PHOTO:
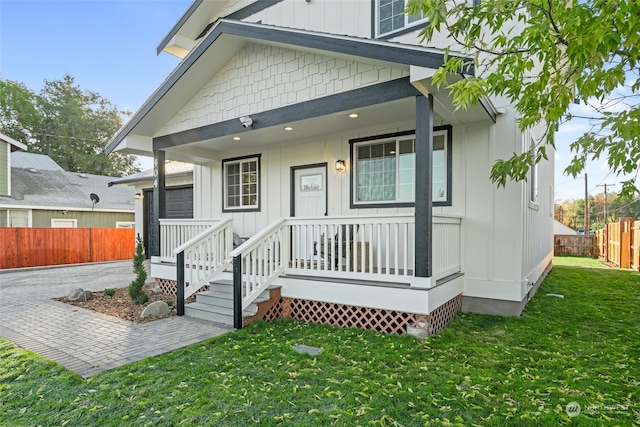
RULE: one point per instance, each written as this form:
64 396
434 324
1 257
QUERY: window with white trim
241 186
384 170
391 16
533 177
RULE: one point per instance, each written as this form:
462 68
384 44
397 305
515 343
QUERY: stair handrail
256 264
202 258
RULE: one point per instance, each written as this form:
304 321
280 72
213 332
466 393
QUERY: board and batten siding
345 17
261 78
42 218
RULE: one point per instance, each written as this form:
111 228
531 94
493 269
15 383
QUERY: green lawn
482 370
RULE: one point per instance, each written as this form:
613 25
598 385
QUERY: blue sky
109 46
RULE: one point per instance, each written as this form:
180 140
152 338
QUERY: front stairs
216 304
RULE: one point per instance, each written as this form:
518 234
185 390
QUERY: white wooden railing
260 260
379 248
374 248
446 246
203 257
176 232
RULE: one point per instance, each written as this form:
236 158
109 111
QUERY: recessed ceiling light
353 115
236 138
288 128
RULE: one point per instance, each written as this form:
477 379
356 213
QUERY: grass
482 370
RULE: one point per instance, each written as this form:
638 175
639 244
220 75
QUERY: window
533 179
15 218
391 16
384 169
241 184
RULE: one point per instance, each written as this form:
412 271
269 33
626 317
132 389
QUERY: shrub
109 292
137 294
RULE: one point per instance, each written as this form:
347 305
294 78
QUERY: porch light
340 167
138 196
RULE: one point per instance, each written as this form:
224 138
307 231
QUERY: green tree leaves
541 55
68 124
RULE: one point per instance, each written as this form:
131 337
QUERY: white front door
309 191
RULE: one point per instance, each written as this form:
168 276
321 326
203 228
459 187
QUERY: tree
68 124
541 55
136 291
17 106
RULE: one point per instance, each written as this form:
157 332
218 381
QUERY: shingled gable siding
261 78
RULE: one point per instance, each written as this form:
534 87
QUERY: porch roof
228 37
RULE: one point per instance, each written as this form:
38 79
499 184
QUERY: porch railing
176 232
256 264
202 258
375 248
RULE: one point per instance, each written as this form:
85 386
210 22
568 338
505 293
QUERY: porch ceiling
392 113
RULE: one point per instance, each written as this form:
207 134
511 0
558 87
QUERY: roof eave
364 48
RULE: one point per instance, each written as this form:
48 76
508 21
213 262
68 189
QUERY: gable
264 77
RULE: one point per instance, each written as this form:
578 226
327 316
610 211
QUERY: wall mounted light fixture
138 196
340 167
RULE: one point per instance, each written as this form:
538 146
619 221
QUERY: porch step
216 304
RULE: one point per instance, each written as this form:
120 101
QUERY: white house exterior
317 135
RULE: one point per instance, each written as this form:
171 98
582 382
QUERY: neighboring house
45 195
178 196
7 146
316 132
559 229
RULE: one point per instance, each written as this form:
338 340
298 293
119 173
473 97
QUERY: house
178 197
363 196
43 194
562 230
7 146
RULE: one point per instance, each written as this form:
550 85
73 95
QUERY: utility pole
606 227
587 211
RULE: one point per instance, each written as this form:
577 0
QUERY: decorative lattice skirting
350 316
168 286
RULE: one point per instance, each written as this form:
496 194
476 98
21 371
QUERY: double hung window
391 16
241 183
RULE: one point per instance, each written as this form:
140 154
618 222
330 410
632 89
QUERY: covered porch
349 260
309 100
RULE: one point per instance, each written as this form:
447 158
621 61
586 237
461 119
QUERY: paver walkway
79 339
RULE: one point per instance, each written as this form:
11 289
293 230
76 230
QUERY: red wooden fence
622 243
32 247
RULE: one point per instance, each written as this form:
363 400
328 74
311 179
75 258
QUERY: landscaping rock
88 295
419 333
77 294
307 349
155 309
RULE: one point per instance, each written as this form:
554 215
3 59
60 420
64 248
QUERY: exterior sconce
340 167
138 196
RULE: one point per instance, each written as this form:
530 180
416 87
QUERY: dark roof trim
252 9
242 13
373 49
183 19
380 50
344 101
